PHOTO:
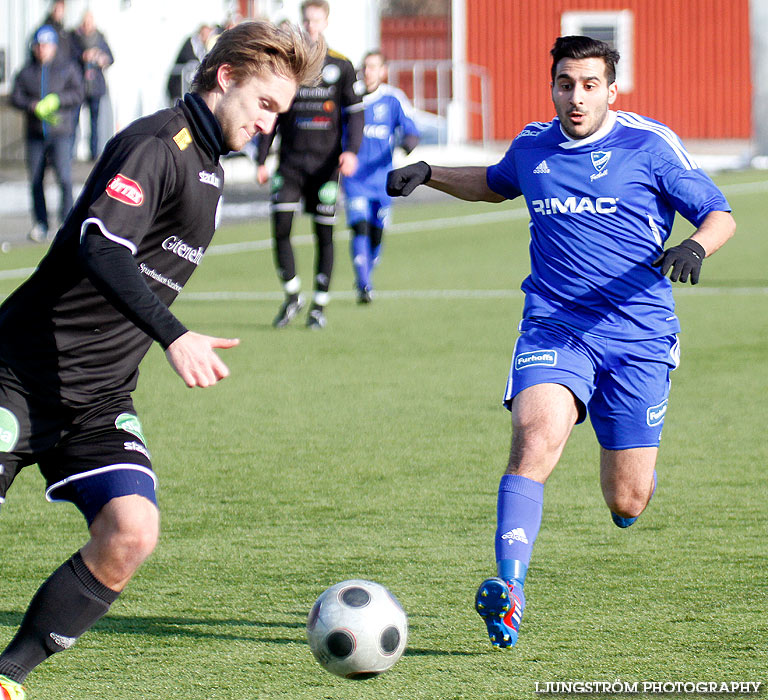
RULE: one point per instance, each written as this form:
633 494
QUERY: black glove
403 181
684 259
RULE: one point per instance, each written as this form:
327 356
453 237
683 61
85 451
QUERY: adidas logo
62 641
518 534
541 168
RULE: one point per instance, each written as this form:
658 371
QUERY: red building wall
692 61
416 38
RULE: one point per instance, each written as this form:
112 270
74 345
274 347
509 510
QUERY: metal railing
441 74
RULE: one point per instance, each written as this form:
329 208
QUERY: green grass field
374 448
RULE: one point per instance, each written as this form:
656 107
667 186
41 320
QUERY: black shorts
319 189
88 455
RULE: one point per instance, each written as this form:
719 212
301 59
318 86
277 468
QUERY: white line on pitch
489 217
447 294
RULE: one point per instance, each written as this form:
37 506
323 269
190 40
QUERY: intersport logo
125 190
575 205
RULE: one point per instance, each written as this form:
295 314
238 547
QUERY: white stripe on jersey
107 234
357 107
635 121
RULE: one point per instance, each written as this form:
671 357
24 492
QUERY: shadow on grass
410 651
210 628
200 628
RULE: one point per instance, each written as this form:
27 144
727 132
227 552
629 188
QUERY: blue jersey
386 118
601 209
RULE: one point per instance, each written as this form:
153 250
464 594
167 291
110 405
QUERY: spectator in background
192 52
94 56
48 91
387 123
55 19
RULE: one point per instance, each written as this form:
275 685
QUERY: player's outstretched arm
685 259
192 356
468 183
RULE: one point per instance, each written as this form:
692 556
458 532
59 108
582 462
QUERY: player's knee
532 440
628 502
129 535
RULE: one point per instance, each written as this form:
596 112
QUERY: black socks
64 607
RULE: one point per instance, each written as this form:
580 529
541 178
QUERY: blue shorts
374 211
622 384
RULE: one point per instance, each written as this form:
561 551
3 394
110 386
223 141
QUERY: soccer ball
357 629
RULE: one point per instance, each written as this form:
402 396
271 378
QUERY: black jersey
156 191
312 131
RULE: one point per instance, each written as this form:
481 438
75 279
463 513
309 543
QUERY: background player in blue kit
598 334
387 124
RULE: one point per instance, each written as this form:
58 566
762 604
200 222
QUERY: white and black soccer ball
357 629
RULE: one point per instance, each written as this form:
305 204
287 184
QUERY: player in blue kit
598 334
387 124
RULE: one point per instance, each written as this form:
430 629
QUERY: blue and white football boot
500 604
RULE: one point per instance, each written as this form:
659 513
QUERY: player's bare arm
715 230
684 260
468 183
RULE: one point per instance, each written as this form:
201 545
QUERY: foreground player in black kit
319 138
72 336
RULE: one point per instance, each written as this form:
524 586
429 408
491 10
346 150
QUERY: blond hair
259 47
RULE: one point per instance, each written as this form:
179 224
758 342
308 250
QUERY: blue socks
360 246
518 517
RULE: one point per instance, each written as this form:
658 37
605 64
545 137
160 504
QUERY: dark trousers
56 151
93 104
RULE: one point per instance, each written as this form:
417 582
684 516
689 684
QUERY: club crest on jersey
599 161
380 112
331 73
125 190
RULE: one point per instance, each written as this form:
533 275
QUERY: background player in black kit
319 137
74 333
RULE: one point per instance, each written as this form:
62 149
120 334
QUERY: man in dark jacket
48 91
